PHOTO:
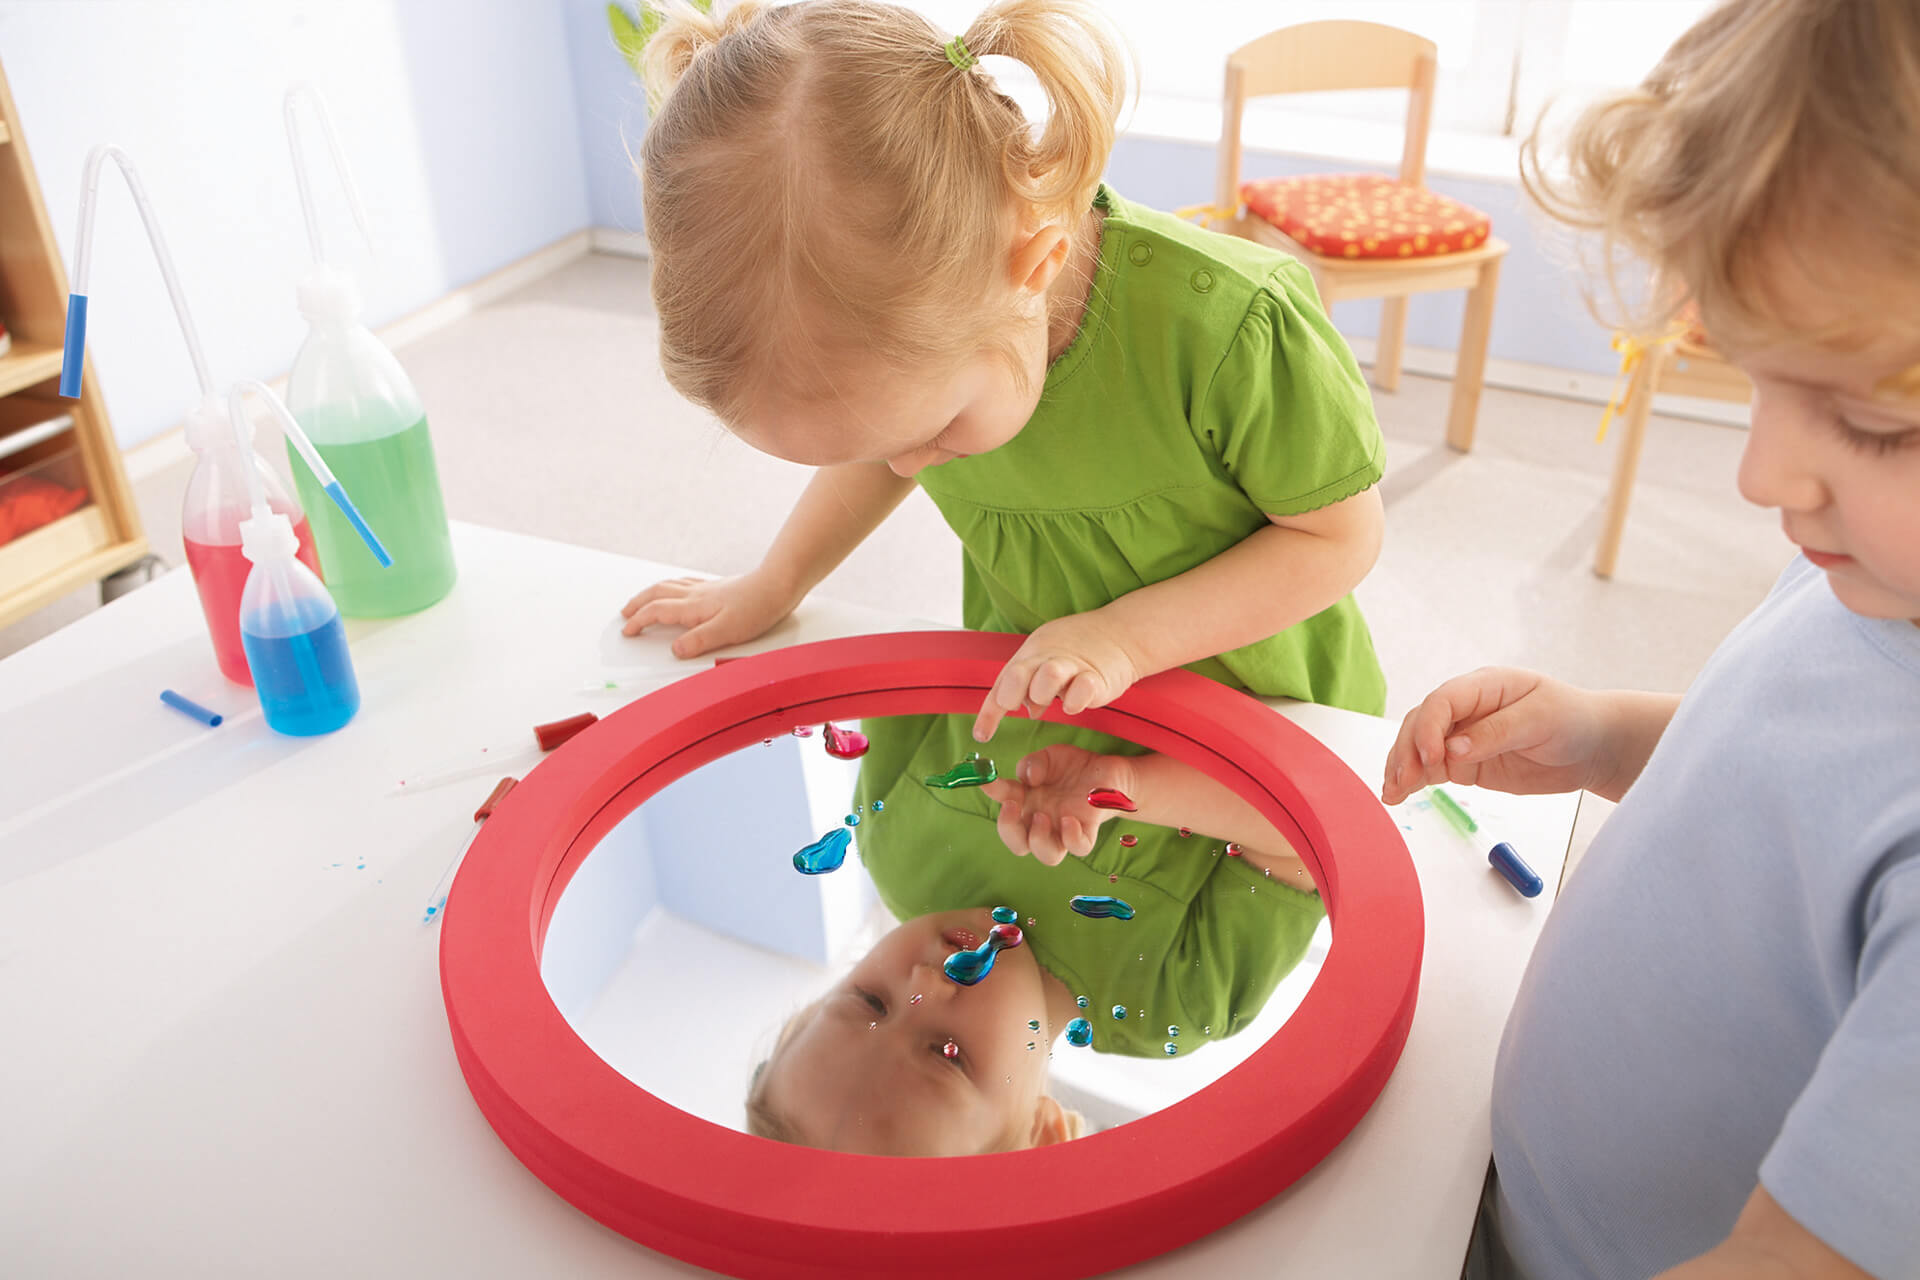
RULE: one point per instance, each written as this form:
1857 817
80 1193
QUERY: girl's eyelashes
1874 442
873 1001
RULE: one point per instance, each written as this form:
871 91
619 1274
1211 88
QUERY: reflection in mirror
885 938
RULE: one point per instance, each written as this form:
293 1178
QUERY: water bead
1173 1032
1233 850
1119 1012
1029 1046
879 806
1033 1024
1029 921
949 1051
1127 842
1186 831
853 819
1113 879
1081 1001
825 854
1108 798
872 1026
803 731
1101 907
1080 1033
916 998
1171 1048
1005 915
844 744
971 772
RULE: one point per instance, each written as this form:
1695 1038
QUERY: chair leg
1470 369
1393 337
1626 458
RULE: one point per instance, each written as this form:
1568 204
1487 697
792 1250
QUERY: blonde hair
1771 126
825 173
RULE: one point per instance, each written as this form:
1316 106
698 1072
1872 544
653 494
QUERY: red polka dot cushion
1363 215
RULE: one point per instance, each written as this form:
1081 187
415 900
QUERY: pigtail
1080 65
684 34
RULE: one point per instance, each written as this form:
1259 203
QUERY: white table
222 1047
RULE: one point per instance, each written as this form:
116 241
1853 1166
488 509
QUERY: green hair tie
959 55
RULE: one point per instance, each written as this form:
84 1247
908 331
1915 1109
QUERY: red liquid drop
1233 850
220 572
1108 798
1127 842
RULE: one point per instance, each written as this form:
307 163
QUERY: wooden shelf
6 134
26 364
38 568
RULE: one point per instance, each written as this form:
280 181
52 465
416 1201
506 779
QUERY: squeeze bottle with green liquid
364 417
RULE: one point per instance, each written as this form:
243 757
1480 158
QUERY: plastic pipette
321 471
436 905
546 737
72 363
1449 808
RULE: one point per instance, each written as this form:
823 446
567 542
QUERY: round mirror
798 939
675 1014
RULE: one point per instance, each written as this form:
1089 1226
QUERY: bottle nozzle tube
72 363
321 471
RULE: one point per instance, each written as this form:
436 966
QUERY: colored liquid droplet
1081 1001
1127 842
1173 1032
1108 798
853 819
1206 1031
1033 1024
1005 915
1080 1032
879 806
1029 1046
1119 1012
844 744
872 1025
971 772
803 731
1030 921
1171 1048
916 998
1233 850
1101 907
825 854
949 1051
970 967
1186 831
1113 879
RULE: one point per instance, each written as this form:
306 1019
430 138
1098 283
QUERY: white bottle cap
269 539
328 294
208 426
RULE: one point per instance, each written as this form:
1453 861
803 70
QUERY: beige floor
550 417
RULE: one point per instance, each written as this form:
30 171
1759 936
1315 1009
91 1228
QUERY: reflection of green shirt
1211 935
1205 390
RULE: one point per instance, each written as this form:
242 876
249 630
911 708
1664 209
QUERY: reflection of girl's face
865 1069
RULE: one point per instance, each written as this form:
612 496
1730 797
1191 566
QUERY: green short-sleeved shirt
1211 935
1206 390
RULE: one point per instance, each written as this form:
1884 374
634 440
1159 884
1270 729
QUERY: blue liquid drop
1033 1024
880 806
1119 1012
825 854
1080 1032
969 967
1173 1032
1081 1001
1101 907
1005 915
853 819
1171 1048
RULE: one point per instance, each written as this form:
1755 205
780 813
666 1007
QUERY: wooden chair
1683 366
1425 244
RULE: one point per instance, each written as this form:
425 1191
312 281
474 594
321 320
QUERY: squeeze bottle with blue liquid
289 625
365 419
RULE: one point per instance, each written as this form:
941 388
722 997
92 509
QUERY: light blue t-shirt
1728 991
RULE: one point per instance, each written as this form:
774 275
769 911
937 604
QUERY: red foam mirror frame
748 1206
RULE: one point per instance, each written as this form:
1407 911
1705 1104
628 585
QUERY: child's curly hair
827 175
1771 128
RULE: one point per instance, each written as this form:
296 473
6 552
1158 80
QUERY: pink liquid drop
220 572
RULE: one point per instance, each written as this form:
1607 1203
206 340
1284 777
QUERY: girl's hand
1043 807
715 612
1501 728
1080 659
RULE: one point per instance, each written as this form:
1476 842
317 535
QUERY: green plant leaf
627 37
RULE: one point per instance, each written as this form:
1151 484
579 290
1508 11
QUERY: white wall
459 119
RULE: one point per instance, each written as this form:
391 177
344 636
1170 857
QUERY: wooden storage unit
102 536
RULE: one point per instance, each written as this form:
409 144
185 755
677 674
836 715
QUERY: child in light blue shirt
1713 1065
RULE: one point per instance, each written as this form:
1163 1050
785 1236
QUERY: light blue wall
612 109
459 117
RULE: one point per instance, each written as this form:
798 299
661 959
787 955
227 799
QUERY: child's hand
1501 728
1043 807
1079 659
716 613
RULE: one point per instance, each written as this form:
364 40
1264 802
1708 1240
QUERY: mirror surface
855 1007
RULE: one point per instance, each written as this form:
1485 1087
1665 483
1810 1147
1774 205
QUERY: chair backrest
1316 57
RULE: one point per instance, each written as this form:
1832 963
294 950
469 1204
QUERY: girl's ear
1038 258
1049 1123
